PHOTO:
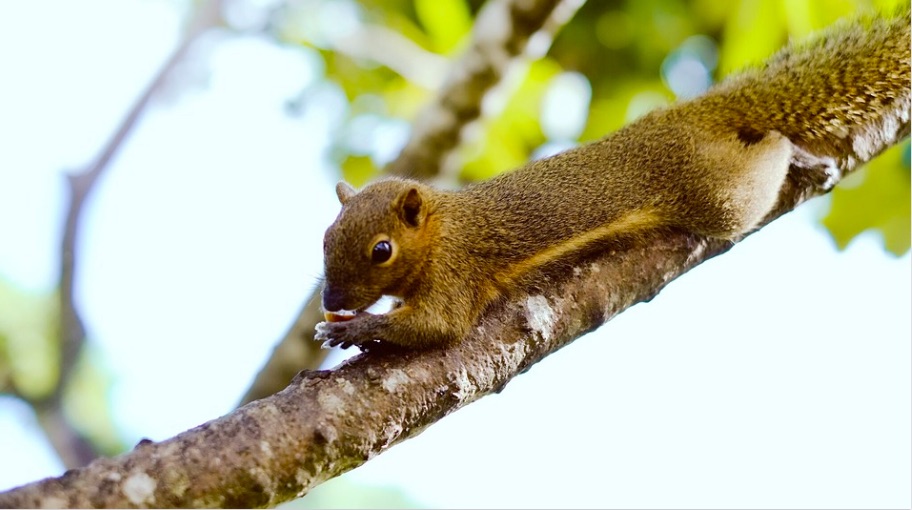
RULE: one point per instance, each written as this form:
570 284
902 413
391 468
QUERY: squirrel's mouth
383 305
340 315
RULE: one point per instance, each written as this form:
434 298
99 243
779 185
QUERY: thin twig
73 448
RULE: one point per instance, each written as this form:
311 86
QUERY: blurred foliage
875 198
445 21
28 342
508 139
87 405
630 53
29 366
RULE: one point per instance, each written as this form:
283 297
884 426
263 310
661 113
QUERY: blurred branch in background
501 34
436 132
74 448
395 51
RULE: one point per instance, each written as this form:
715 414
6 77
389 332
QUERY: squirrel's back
667 170
712 166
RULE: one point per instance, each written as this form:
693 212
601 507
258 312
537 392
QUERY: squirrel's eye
382 252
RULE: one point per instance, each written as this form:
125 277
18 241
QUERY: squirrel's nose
332 300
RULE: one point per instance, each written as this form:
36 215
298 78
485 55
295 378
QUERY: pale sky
776 376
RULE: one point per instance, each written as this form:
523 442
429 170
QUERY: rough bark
502 31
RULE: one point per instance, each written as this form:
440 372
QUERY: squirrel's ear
411 207
344 191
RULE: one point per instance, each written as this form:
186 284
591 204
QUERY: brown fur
713 166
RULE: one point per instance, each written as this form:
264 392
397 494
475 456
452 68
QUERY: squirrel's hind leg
747 173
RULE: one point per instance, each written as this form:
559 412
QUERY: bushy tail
843 93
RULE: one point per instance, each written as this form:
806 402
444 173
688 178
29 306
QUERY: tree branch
394 51
328 422
501 34
435 135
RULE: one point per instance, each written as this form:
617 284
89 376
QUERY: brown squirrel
713 166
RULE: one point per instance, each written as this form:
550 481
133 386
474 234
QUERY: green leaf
357 170
87 405
887 5
880 202
818 14
447 22
753 33
632 99
28 326
510 136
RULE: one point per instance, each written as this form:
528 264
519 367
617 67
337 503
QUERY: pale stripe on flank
634 221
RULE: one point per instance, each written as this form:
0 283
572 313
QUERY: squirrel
713 166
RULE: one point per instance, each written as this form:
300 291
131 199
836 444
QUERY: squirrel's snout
332 300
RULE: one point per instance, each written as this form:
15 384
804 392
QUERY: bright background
775 376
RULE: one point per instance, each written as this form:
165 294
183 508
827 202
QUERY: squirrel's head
376 243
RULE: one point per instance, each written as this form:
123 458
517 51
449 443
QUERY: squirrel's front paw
344 334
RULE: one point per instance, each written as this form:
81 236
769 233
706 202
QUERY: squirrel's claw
362 332
340 334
